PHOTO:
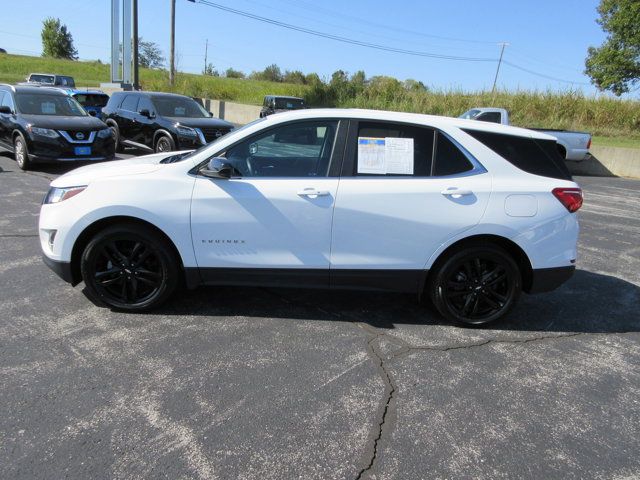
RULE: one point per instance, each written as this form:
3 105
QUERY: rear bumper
62 269
548 279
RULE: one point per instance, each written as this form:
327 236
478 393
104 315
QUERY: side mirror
5 109
146 113
92 113
218 167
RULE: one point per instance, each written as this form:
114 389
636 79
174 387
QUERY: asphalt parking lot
271 384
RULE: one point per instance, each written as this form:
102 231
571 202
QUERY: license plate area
82 150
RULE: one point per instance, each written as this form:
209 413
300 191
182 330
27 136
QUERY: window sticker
179 111
48 108
398 155
371 155
385 155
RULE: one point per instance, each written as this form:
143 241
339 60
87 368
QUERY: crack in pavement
383 429
18 235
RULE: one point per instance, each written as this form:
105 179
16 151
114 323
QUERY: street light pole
495 80
172 64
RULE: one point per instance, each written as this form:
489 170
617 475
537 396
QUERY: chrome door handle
312 192
456 192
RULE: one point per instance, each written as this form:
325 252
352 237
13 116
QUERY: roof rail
7 85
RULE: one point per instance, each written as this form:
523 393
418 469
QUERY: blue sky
547 37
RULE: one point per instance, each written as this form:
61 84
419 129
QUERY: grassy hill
613 121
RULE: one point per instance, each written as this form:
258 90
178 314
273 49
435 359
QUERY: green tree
231 73
57 41
615 65
295 76
210 70
149 54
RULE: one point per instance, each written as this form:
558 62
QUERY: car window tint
296 150
422 144
145 104
130 103
449 160
46 104
493 117
539 157
1 96
7 101
91 99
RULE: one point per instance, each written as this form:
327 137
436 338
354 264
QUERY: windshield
91 99
179 158
46 104
179 107
469 115
41 79
289 103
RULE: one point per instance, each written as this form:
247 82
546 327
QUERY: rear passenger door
404 190
127 113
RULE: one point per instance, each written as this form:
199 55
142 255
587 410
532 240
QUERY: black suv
278 103
161 122
43 124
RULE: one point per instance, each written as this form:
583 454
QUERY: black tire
129 267
21 152
475 285
116 136
164 143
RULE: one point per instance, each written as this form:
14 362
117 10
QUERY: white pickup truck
571 145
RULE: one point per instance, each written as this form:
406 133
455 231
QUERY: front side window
145 104
130 103
179 107
43 104
295 150
7 101
393 149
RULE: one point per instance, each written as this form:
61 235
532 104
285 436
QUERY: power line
542 75
344 39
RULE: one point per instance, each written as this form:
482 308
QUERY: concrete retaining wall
609 161
237 113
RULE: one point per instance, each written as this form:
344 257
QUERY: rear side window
493 117
449 160
539 157
130 103
373 139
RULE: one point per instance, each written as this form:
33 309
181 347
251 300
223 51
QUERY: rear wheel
115 131
477 285
129 267
21 152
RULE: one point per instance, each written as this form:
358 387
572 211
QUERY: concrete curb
609 161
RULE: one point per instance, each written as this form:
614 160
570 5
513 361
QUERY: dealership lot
267 383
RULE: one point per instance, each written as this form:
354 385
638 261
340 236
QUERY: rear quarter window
539 157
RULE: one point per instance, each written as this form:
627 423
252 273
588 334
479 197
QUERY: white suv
467 213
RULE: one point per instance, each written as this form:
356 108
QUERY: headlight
56 195
186 131
105 133
43 132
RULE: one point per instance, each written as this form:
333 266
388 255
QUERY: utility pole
172 64
495 80
136 72
206 47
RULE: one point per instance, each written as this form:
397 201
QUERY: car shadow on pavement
588 303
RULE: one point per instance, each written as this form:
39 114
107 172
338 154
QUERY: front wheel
477 285
129 267
164 144
21 152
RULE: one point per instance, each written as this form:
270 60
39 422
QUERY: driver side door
270 224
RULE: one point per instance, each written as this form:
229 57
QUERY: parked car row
42 122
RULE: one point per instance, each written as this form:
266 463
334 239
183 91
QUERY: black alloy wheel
129 268
21 152
164 144
477 285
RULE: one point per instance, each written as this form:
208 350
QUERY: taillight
589 144
571 198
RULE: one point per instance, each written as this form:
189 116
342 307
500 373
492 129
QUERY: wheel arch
92 229
516 252
165 132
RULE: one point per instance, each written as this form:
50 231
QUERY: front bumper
548 279
48 150
62 269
